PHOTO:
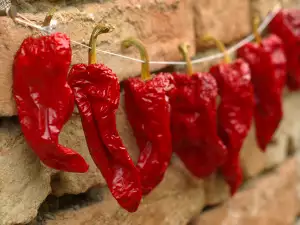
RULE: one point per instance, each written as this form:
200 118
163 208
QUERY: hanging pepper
97 94
268 73
148 112
235 111
44 99
286 25
193 121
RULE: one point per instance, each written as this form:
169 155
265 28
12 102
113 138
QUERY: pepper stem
220 46
49 17
144 56
255 25
99 29
184 50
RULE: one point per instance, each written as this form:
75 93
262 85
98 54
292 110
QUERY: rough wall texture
259 204
129 18
161 25
256 204
20 187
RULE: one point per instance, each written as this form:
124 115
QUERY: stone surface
263 7
175 208
252 159
138 18
215 18
291 3
286 140
75 183
277 150
268 200
178 179
179 21
24 182
291 125
216 190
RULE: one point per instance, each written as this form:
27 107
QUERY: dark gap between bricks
53 204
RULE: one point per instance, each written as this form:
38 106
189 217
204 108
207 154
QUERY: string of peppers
168 112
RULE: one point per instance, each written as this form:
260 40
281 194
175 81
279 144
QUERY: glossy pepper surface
148 112
44 99
268 74
286 25
193 121
235 113
97 94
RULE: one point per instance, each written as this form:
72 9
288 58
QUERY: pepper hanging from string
97 95
148 112
193 120
268 67
24 21
235 110
44 99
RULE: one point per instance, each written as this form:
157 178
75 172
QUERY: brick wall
25 183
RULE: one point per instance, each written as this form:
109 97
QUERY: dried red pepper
193 121
286 25
268 73
148 112
235 112
44 99
97 94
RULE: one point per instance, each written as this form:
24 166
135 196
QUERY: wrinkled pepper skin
148 112
234 114
44 99
193 123
97 95
267 62
286 25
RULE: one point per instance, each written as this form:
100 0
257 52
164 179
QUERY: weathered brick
161 26
224 20
263 7
271 199
175 209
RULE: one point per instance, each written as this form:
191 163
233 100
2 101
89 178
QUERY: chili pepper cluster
168 112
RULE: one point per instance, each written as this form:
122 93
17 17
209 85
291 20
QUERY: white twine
23 20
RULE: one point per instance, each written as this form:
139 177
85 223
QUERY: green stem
49 17
144 55
255 25
99 29
184 50
220 46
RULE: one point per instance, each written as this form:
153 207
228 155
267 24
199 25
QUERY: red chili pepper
193 121
44 99
286 25
148 112
235 112
97 95
268 70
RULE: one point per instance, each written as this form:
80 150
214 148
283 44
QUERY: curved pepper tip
71 162
130 202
